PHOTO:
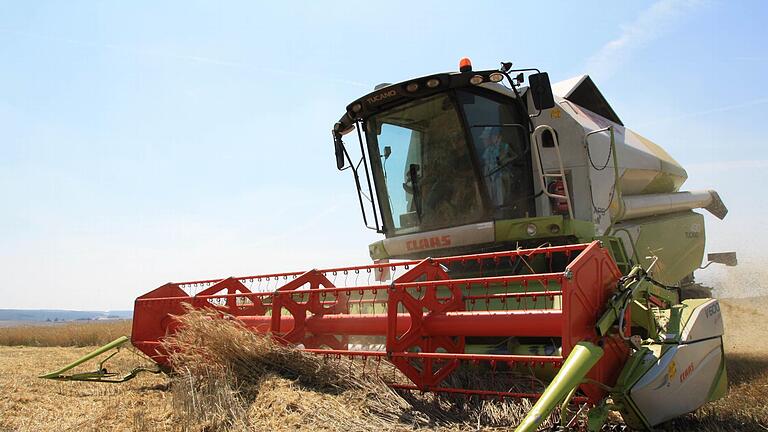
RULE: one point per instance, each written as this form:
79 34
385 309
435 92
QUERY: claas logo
686 373
428 243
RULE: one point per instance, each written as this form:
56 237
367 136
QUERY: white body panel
644 168
705 322
440 239
680 382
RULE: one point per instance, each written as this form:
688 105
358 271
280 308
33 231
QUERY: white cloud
648 26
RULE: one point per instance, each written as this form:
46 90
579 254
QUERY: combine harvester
526 231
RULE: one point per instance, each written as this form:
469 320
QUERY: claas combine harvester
526 230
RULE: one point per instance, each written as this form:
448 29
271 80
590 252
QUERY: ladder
537 133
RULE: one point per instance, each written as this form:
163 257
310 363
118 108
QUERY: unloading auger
529 238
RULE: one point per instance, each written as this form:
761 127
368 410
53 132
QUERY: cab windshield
450 159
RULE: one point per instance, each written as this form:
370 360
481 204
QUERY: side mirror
541 91
338 145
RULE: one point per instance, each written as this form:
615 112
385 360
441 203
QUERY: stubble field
150 402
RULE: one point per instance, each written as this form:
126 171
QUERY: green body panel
676 318
720 386
644 317
550 301
618 252
511 230
676 239
639 363
512 346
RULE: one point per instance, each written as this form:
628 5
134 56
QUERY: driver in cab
496 154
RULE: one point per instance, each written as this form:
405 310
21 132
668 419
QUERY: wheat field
198 400
75 334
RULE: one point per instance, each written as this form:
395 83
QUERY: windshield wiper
413 176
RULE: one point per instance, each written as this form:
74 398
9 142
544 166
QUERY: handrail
542 175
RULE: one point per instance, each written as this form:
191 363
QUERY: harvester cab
446 153
531 242
459 162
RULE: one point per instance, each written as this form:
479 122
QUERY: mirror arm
359 195
520 105
377 227
341 154
524 70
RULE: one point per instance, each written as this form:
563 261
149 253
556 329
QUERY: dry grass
238 383
232 379
77 334
30 404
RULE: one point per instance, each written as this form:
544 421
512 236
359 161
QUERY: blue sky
142 143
